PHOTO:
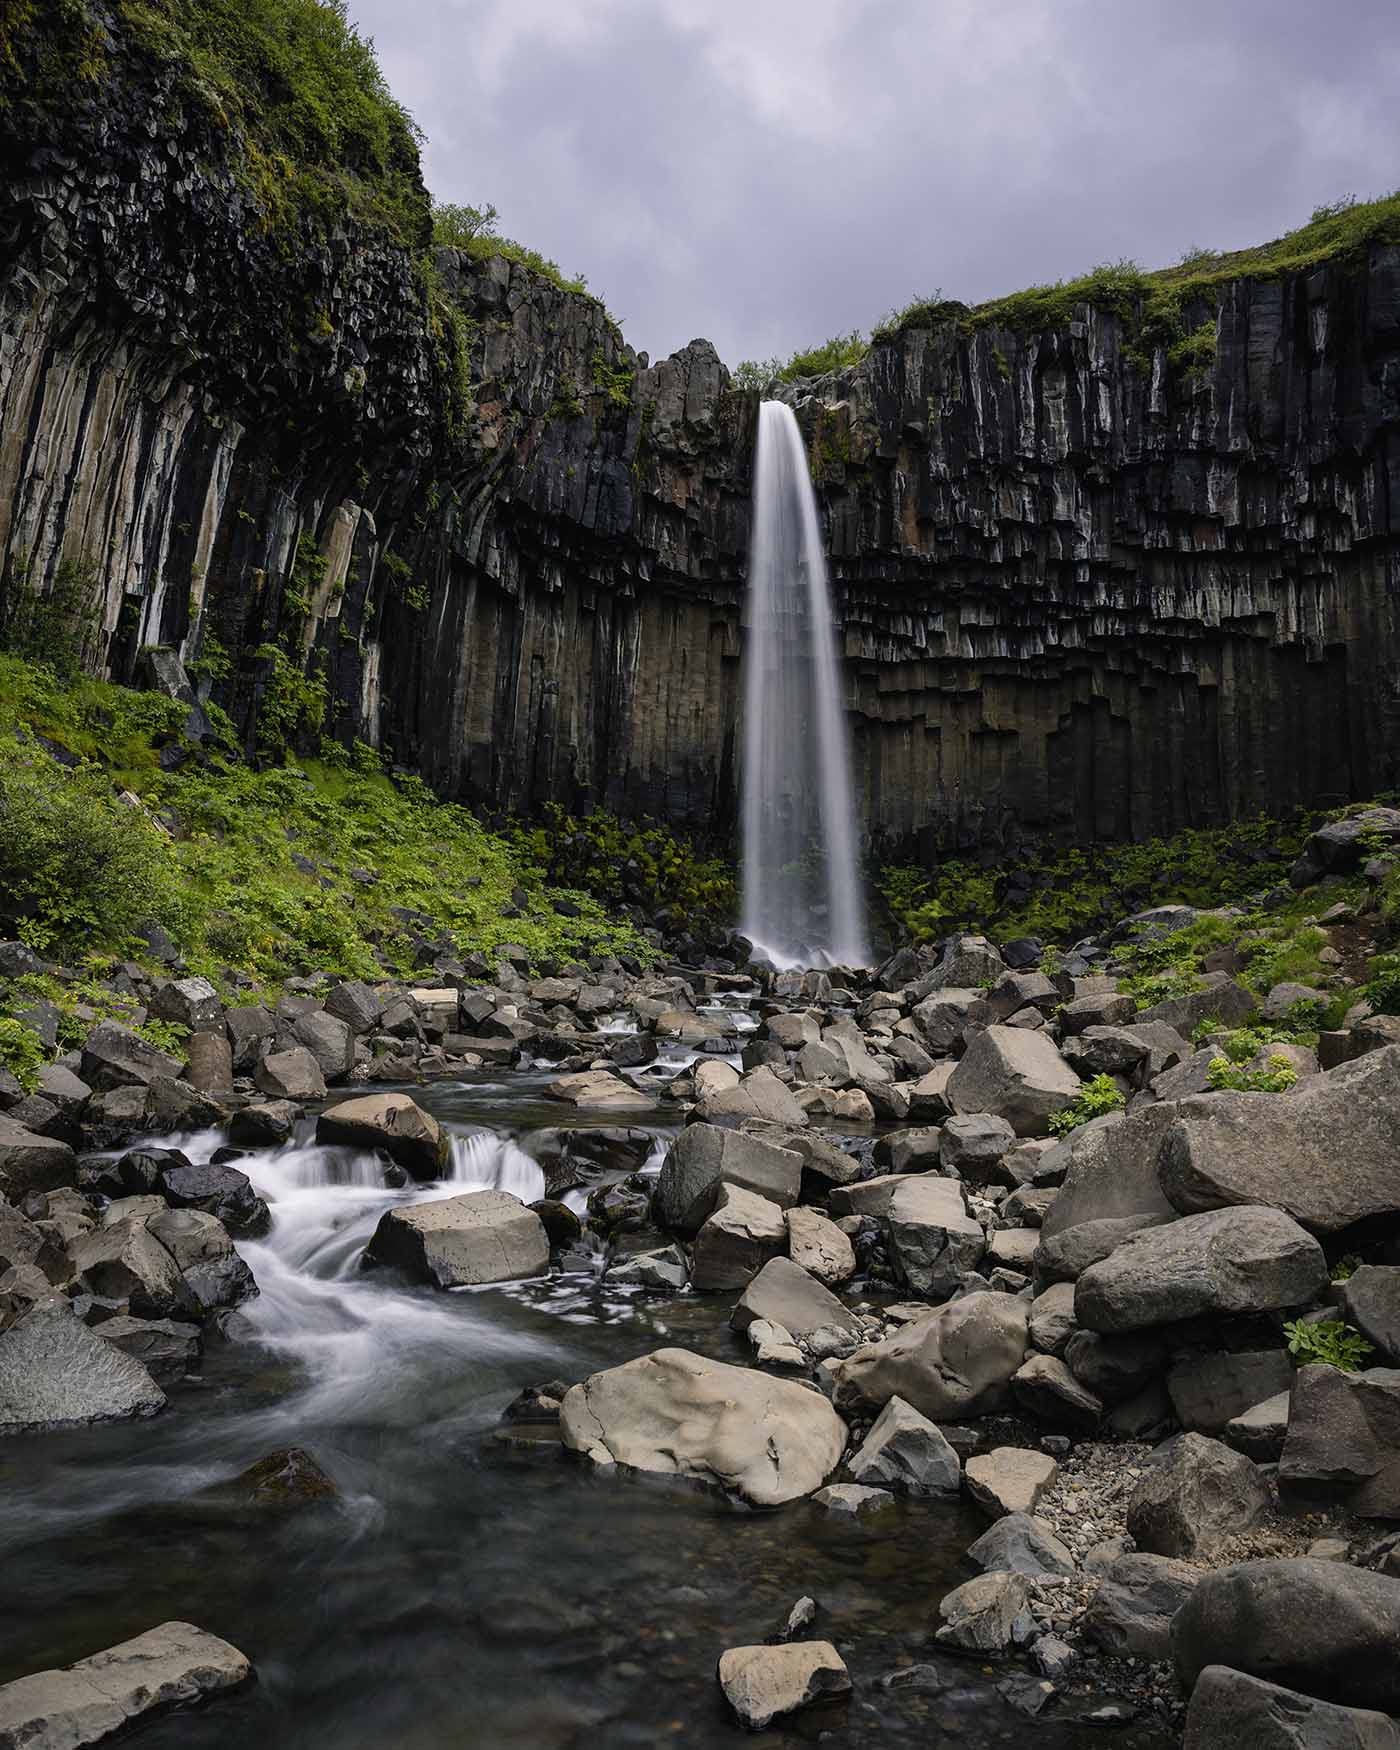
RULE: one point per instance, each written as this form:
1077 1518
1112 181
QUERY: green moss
613 381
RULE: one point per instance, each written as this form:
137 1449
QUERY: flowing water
462 1590
801 880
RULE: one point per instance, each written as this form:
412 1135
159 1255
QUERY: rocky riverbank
1158 1349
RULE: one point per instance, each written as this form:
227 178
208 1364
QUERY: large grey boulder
1219 999
395 1123
220 1190
1232 1711
1325 1153
1009 1479
737 1240
906 1453
124 1262
703 1156
1131 1613
951 1366
988 1615
763 1684
677 1414
329 1040
1329 1437
1052 1323
192 1003
1045 1387
819 1246
1225 1261
966 963
1326 1628
115 1057
1015 1074
1209 1390
1019 1543
1065 1256
933 1241
29 1162
483 1236
55 1372
847 1043
942 1017
759 1095
786 1295
1110 1172
1370 1300
1194 1495
167 1349
293 1074
174 1665
357 1004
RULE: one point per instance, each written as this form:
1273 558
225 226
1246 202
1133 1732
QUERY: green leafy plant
1328 1340
1382 990
1276 1078
21 1052
1097 1096
1345 1268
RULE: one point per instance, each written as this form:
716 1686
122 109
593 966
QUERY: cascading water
801 884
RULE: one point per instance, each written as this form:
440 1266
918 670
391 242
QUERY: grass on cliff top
290 869
1340 231
474 231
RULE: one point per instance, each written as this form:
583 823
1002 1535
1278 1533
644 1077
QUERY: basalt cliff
1086 590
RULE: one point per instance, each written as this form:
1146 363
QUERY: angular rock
1329 1438
483 1236
356 1004
906 1453
1051 1323
909 1151
1009 1479
975 1145
56 1373
166 1349
249 1029
115 1057
663 1269
293 1074
759 1095
330 1041
263 1125
737 1240
1370 1300
987 1615
951 1366
819 1247
29 1162
191 1003
674 1413
852 1499
703 1156
174 1665
1260 1431
125 1263
221 1191
1219 999
933 1241
599 1088
1110 1172
1016 1075
1232 1711
392 1122
1325 1628
790 1297
209 1063
1237 1260
1019 1543
1131 1613
1194 1495
1208 1391
763 1684
1045 1387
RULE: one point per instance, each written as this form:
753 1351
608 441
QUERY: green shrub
47 626
1097 1096
1329 1341
21 1052
473 230
1277 1078
839 353
1382 990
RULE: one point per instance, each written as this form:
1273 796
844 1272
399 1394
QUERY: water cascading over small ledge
801 878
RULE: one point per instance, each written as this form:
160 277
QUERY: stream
463 1589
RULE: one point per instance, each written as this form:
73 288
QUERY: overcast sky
769 172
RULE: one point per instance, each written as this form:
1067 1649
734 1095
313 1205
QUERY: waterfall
801 884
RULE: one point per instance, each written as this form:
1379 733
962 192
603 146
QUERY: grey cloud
714 178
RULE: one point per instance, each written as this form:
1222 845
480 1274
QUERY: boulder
1046 1388
928 1098
677 1414
1239 1260
1051 1323
819 1246
703 1156
1019 1543
759 1095
1325 1628
250 1029
174 1665
1131 1613
933 1241
1325 1154
329 1040
1370 1300
125 1263
288 1477
293 1074
1009 1479
483 1236
266 1124
1015 1074
221 1191
356 1004
599 1088
1329 1438
56 1373
906 1453
737 1240
166 1349
1259 1432
1219 999
394 1123
663 1269
988 1615
209 1063
787 1295
954 1365
115 1057
967 962
915 1150
762 1684
29 1162
866 1196
974 1146
1194 1495
1110 1172
846 1042
1209 1390
1232 1711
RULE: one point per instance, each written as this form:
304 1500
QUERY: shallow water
461 1591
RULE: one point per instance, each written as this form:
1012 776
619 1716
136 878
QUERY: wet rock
1132 1611
663 1270
289 1477
819 1247
221 1191
394 1123
174 1665
561 1225
953 1365
785 1293
29 1162
1009 1479
932 1239
674 1413
1232 1711
483 1236
851 1499
988 1615
905 1452
1225 1261
1324 1153
1325 1628
166 1349
293 1074
266 1124
1016 1075
737 1240
125 1263
703 1156
762 1684
1019 1543
1194 1495
55 1372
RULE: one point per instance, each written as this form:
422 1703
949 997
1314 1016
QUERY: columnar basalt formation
1084 593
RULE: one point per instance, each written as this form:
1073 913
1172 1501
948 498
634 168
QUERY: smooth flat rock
174 1665
599 1088
457 1242
677 1414
762 1684
55 1372
395 1123
1009 1479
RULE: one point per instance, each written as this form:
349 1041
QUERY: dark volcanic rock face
1083 593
